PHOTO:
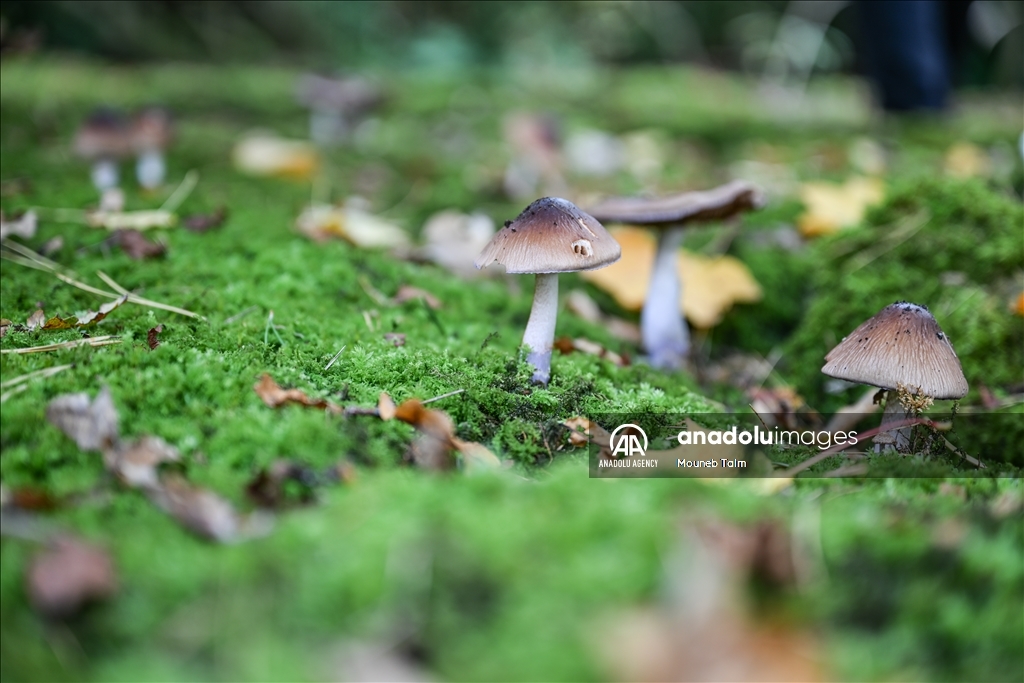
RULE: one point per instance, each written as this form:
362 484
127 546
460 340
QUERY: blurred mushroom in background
336 105
104 139
152 133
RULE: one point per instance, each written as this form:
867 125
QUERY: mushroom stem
662 327
104 174
540 330
894 439
150 169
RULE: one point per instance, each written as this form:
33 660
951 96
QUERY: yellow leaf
265 154
833 207
964 160
323 221
711 285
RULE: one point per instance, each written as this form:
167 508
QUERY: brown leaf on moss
135 244
204 222
566 345
410 293
92 424
30 498
151 336
67 574
88 318
36 320
136 463
708 631
201 511
4 325
275 396
433 448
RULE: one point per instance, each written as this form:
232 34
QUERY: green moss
962 262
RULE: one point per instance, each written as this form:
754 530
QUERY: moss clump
952 245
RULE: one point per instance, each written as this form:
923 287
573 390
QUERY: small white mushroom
151 135
335 105
549 237
902 346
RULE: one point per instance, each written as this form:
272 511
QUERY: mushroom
549 237
662 327
903 351
151 135
103 138
335 104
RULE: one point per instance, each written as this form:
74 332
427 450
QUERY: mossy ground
499 576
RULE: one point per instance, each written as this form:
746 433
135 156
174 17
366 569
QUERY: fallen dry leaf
410 293
831 207
151 336
1017 305
706 630
200 510
583 431
204 222
453 240
23 226
136 463
966 160
67 574
395 338
275 396
432 449
85 319
265 154
580 303
36 320
324 221
4 324
711 284
92 424
567 345
134 243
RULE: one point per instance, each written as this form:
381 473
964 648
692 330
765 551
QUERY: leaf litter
93 425
67 574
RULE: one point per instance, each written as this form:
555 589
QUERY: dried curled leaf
275 396
321 222
265 154
68 574
151 337
567 345
36 320
135 244
386 407
92 424
204 222
199 510
86 319
136 463
432 450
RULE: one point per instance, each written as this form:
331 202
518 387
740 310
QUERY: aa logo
625 441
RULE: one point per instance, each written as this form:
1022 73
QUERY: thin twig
90 341
241 314
438 398
182 192
38 374
336 356
136 299
113 285
372 292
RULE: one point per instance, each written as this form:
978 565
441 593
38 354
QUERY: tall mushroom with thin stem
151 135
103 139
549 237
903 351
335 104
662 328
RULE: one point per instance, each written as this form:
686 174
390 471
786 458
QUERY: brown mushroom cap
720 202
104 135
551 235
352 95
152 129
902 344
